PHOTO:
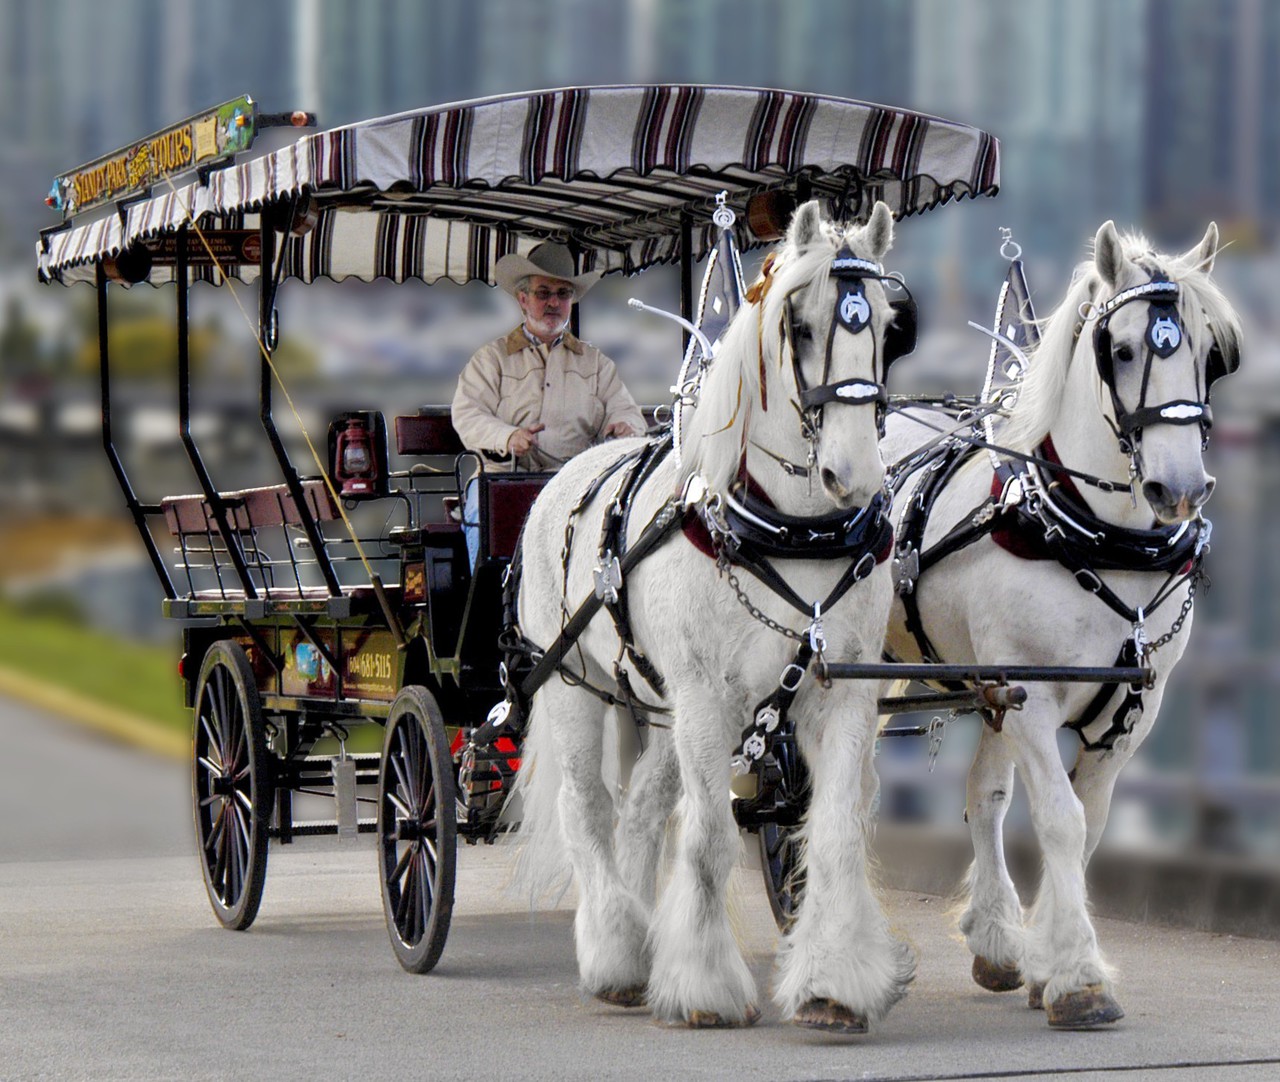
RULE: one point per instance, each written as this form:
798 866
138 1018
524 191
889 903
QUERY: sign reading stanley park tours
208 137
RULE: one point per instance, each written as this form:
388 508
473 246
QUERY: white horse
1117 382
839 966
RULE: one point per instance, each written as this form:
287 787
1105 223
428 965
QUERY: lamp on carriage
355 467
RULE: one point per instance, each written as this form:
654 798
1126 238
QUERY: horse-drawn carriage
301 628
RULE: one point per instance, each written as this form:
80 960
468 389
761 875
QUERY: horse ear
1108 253
1201 257
806 225
878 233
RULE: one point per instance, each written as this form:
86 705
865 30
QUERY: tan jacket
572 388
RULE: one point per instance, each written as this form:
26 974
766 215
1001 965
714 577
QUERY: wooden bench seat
250 509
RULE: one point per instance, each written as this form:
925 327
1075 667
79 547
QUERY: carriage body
294 633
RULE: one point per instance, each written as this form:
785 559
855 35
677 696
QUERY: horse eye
1124 353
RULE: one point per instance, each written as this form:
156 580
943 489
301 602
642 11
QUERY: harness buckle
794 673
906 570
1013 493
817 637
1202 539
1141 642
1088 578
768 718
608 578
695 491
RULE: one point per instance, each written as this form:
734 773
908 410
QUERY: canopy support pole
686 275
137 510
267 284
217 505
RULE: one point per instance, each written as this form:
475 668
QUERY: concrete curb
1200 891
80 710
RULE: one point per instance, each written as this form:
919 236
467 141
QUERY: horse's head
824 392
1160 332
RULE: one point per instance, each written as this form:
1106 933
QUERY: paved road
111 966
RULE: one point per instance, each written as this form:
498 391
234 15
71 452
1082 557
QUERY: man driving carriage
538 395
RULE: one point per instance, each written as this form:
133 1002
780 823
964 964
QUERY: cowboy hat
549 260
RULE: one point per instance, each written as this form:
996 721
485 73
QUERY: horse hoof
715 1020
1035 995
994 977
831 1016
622 997
1089 1007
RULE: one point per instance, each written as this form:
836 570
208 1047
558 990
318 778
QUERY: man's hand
522 439
619 430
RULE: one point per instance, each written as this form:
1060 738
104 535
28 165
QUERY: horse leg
699 977
992 920
651 797
840 966
1062 954
611 925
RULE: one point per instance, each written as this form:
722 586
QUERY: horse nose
831 481
1171 505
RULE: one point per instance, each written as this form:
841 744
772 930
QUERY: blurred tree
20 353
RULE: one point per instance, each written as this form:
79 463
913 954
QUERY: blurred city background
1159 115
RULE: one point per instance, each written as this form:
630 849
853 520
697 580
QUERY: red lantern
355 465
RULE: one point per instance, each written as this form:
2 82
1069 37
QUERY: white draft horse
839 965
1118 388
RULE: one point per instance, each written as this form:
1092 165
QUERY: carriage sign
203 139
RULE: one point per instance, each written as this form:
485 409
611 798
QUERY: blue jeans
471 519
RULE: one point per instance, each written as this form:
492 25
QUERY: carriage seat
427 433
250 509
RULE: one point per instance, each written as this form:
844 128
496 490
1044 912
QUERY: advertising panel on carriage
204 139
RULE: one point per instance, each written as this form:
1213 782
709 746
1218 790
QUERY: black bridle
1163 337
852 314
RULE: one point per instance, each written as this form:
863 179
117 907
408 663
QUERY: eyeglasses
542 295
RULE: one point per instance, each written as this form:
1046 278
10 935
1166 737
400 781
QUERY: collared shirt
516 382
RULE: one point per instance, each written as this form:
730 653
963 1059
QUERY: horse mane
716 435
1204 308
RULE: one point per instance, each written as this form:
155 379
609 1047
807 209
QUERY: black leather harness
1063 530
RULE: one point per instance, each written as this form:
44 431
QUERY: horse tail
542 870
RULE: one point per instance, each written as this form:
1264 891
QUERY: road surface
111 966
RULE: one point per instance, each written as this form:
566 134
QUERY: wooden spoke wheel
780 845
417 830
232 788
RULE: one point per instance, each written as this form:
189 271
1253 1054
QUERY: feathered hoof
994 977
1089 1007
827 1014
622 997
715 1020
1035 995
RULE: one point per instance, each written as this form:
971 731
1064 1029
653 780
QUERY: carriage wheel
232 789
780 845
417 830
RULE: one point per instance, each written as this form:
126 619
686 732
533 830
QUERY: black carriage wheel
417 830
780 845
231 788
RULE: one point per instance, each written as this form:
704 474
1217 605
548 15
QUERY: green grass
139 678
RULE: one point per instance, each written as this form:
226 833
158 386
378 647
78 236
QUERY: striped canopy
444 192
